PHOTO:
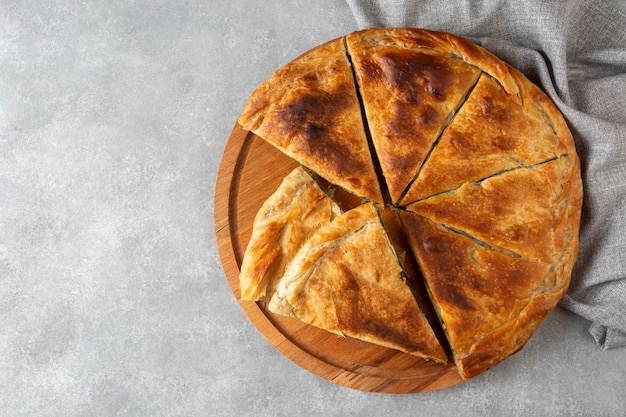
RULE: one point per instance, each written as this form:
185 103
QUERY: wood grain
250 171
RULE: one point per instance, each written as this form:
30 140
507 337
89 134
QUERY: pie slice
489 303
285 221
516 210
347 280
410 91
493 132
309 110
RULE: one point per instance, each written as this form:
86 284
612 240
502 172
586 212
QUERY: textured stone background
113 118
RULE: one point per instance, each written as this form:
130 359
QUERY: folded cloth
575 50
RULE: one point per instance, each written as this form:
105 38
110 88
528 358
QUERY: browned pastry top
477 161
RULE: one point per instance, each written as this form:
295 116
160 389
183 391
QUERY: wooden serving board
250 171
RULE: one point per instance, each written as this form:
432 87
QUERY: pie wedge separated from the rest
294 212
492 132
410 91
347 279
488 301
309 110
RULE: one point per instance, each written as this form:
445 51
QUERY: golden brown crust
286 220
455 47
309 110
491 133
515 210
518 229
409 92
347 279
481 159
489 303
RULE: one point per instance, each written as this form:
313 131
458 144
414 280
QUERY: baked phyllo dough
476 159
294 212
347 279
309 110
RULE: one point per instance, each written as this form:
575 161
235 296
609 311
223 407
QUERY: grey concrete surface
113 118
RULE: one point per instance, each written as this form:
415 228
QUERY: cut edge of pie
309 109
291 215
408 95
489 303
490 135
347 279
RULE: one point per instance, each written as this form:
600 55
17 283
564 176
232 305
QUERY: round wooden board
250 171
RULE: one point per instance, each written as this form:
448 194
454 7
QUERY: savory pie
309 109
491 134
292 214
477 162
347 279
409 93
488 301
